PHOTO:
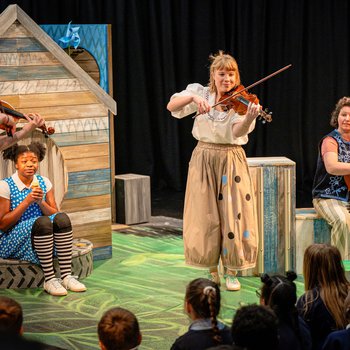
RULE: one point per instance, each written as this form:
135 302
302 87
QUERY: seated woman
332 178
326 288
31 228
280 294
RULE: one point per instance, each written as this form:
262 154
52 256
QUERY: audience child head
202 300
323 269
280 294
119 329
11 317
254 327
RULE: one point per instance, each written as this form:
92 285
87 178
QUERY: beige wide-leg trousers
219 213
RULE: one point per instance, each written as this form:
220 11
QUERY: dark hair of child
255 327
204 297
12 153
119 329
280 293
11 316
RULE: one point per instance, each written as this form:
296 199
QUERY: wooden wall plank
34 73
82 152
19 87
7 18
28 59
67 111
98 233
20 45
82 204
51 99
81 137
77 125
16 30
94 176
88 183
88 189
90 216
89 163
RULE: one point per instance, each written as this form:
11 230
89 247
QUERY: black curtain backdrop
159 46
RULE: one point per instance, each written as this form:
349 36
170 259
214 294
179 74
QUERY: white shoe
232 283
54 287
71 283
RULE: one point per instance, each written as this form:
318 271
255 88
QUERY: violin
6 108
238 99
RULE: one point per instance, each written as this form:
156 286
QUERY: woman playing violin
8 122
219 212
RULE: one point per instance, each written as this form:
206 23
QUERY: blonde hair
323 268
222 61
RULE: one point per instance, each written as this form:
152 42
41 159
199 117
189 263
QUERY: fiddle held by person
8 122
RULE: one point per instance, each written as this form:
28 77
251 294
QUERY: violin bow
252 85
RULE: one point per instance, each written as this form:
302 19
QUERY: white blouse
5 189
215 126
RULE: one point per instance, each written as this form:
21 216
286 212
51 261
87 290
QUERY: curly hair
222 61
12 153
252 324
344 101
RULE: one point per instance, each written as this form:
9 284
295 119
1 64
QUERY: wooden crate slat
19 87
93 202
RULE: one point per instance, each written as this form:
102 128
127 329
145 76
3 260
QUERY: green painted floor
146 275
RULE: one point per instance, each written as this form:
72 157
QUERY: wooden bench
23 274
310 228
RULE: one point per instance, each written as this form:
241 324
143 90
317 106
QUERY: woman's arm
9 218
179 102
241 128
333 166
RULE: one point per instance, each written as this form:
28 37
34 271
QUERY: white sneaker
54 287
232 283
71 283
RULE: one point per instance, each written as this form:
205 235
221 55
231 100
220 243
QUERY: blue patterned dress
17 242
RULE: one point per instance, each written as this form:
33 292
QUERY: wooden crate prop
310 228
133 196
37 75
274 184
